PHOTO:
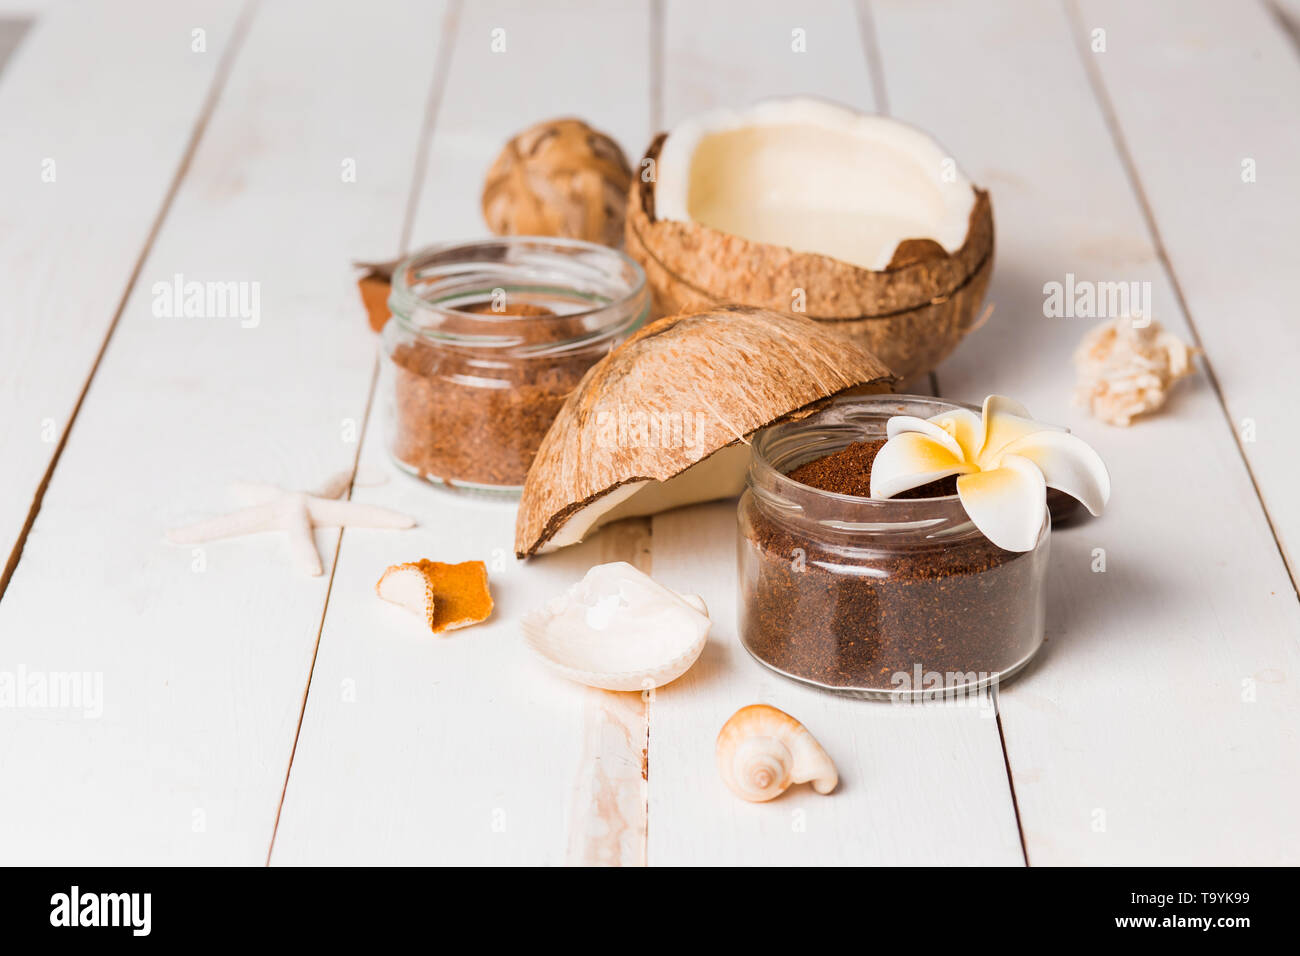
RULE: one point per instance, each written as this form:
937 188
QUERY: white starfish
296 513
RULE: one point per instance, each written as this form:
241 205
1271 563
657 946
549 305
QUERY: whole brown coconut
910 315
558 178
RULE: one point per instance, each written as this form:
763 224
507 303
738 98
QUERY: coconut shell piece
684 391
558 178
911 314
446 596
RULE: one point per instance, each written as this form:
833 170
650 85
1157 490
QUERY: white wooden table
251 714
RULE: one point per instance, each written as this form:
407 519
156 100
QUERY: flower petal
966 427
1068 464
1001 405
1005 420
909 460
899 424
1008 503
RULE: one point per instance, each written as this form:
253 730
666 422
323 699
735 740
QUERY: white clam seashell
618 629
761 751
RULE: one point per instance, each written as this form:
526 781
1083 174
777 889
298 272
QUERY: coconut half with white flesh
664 420
861 222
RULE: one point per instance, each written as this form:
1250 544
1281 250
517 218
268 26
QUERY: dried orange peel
447 596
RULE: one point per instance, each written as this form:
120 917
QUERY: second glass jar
486 341
877 598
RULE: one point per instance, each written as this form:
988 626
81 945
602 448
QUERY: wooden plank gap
1006 761
928 383
875 62
1162 255
12 32
657 17
1285 22
450 28
610 809
311 668
205 112
325 607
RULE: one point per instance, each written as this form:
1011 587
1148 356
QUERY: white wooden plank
1225 202
204 673
91 136
29 9
919 784
715 58
461 749
1158 724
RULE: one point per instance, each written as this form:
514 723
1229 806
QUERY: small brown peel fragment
374 296
447 596
375 286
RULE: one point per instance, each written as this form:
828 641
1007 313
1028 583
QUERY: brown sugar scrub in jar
486 341
878 598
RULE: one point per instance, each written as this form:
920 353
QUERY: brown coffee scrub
487 340
848 472
468 415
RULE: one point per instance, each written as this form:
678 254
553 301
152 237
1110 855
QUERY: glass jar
898 598
485 342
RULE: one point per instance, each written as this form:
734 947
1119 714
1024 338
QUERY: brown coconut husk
742 368
911 314
558 178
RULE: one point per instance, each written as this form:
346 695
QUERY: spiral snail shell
762 751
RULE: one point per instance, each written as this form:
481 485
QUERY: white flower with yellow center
1005 462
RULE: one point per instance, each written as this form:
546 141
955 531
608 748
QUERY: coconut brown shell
911 314
558 178
736 369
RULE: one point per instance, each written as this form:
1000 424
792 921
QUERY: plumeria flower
1005 462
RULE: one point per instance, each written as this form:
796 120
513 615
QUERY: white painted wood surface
1207 101
90 141
204 673
1158 724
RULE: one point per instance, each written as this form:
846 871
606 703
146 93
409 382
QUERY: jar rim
614 281
770 435
842 420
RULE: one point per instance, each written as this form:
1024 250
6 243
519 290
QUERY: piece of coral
1126 370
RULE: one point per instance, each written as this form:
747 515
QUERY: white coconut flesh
814 177
721 475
